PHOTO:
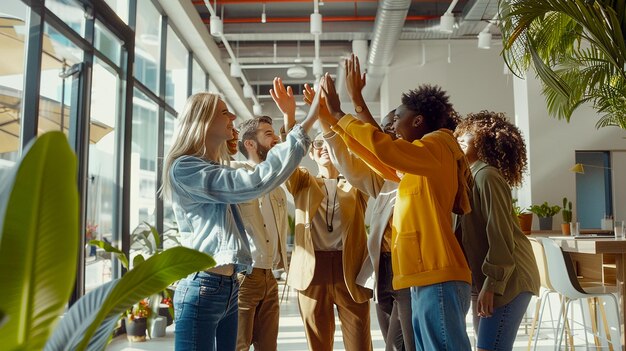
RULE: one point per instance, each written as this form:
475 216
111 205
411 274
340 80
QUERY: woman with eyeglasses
204 192
330 250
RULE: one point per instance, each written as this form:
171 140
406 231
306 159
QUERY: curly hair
498 142
431 102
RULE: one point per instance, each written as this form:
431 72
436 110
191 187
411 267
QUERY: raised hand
332 99
285 101
324 114
355 81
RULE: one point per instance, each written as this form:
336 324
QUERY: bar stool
543 298
562 283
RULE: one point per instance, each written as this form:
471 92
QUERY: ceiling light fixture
263 16
297 72
216 26
484 37
257 109
484 40
446 22
316 23
235 70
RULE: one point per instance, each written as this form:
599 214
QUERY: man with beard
266 224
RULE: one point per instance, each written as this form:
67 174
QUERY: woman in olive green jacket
504 271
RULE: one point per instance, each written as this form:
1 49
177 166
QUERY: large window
12 29
147 44
175 71
71 12
85 76
56 88
198 78
102 174
143 161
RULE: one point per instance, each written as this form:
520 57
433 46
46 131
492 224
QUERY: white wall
475 81
552 146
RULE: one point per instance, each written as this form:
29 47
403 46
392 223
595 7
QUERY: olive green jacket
499 254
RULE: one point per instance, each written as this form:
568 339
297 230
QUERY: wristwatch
358 109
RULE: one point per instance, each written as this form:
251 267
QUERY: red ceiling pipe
325 19
222 2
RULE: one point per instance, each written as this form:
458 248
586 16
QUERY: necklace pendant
330 228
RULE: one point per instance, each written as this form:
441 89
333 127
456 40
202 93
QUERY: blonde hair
189 138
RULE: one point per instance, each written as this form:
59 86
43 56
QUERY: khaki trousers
258 311
328 289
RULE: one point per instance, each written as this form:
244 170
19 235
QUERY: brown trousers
258 311
328 289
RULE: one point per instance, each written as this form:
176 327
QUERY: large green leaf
150 277
39 243
80 316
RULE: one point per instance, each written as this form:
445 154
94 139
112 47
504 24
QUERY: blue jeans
206 310
498 332
439 312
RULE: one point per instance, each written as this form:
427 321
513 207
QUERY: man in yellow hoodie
432 171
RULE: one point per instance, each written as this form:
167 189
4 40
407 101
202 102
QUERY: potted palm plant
577 49
567 216
545 213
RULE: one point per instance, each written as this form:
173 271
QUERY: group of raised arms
442 232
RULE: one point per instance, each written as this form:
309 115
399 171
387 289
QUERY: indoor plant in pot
524 218
567 216
545 213
136 321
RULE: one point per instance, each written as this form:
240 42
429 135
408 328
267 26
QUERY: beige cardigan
253 219
308 194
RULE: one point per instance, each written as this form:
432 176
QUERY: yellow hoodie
434 181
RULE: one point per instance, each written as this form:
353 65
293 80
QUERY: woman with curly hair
504 270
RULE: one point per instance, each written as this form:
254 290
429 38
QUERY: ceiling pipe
390 18
229 49
307 19
316 30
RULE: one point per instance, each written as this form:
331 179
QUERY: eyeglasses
318 144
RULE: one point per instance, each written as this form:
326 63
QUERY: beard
262 151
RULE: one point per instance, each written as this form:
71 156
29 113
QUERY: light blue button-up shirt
204 198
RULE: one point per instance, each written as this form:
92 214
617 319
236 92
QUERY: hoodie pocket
408 254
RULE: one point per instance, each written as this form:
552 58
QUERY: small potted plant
545 213
524 218
137 321
567 216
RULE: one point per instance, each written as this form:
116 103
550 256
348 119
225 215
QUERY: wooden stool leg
532 328
594 320
607 330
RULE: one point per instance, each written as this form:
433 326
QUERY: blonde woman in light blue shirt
204 192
